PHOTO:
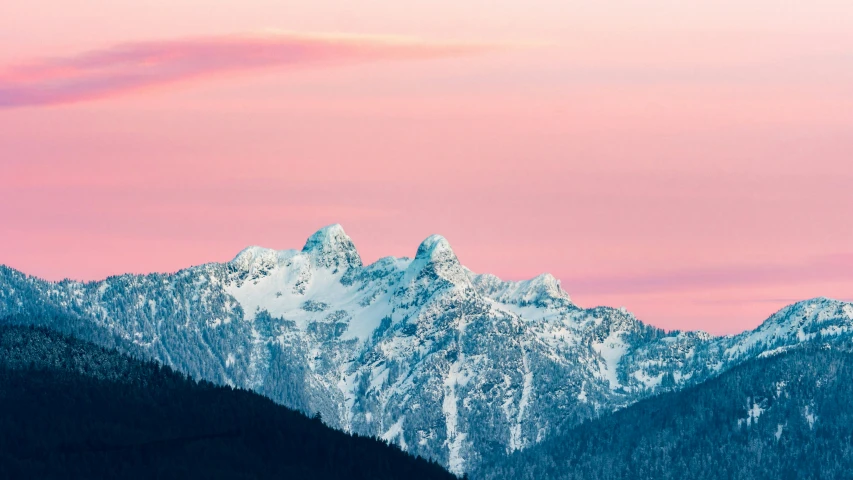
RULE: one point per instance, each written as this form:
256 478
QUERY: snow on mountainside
448 364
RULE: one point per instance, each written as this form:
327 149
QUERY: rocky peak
259 259
330 247
541 291
437 257
546 286
435 248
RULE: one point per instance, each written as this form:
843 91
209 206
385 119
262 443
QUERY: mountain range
455 366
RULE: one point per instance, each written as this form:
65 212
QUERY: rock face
449 364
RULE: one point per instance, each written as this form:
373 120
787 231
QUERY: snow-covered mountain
421 351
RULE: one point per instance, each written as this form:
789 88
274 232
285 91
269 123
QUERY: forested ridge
70 409
783 417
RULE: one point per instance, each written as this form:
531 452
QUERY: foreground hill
69 409
451 365
783 417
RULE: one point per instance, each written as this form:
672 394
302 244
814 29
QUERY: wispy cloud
130 67
838 267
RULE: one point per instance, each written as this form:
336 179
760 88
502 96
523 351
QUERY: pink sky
691 161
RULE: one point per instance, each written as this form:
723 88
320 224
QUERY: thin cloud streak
837 267
772 301
131 67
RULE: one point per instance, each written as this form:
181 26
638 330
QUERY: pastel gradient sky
691 161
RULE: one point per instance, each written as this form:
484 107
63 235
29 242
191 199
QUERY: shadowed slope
69 409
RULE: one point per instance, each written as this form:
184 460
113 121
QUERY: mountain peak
434 247
331 247
254 256
435 255
541 291
548 285
327 233
819 310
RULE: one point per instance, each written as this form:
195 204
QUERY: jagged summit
327 234
543 290
254 257
546 285
547 280
331 247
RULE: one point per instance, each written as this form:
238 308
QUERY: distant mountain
782 417
451 365
70 409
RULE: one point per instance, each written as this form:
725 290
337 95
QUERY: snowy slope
449 364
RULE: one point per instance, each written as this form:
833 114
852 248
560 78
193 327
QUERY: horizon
784 302
688 162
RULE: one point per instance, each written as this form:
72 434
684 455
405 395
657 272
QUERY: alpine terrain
451 365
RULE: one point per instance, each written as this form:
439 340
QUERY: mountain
70 409
451 365
786 416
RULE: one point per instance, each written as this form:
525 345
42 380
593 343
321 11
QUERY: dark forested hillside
782 417
69 409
